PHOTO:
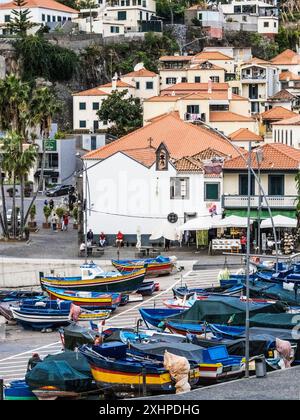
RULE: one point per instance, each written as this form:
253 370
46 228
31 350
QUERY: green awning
264 214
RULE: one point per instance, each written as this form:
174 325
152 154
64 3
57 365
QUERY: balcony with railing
253 77
194 117
274 201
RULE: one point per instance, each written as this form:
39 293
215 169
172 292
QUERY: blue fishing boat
18 390
147 288
217 310
50 314
18 295
153 317
94 279
228 290
114 369
290 294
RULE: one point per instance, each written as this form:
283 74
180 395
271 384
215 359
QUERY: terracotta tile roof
221 95
91 92
119 84
140 73
181 139
219 116
256 60
165 98
277 113
283 95
288 75
146 156
289 121
158 117
286 57
176 58
275 156
193 87
188 164
45 4
208 153
212 55
243 134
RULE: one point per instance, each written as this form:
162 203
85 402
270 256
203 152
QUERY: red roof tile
212 55
289 121
181 138
140 73
44 4
224 116
288 75
243 134
275 156
286 57
277 113
91 92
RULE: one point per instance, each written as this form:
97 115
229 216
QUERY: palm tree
14 98
43 107
17 163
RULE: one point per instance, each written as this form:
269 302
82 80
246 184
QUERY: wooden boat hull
91 300
154 269
18 390
154 317
128 282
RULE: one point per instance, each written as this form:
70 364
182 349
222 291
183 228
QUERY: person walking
243 243
54 222
51 204
65 222
90 236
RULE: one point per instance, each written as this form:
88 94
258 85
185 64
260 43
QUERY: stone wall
179 31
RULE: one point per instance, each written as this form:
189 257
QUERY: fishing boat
218 310
51 314
113 368
94 279
147 288
285 292
215 364
89 300
185 292
18 390
18 295
153 317
64 375
158 266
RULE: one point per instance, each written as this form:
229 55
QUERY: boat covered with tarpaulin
153 316
158 266
62 375
94 279
288 293
218 310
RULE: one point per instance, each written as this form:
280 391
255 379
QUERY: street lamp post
259 159
247 352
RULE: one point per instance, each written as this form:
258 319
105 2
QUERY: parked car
60 190
9 217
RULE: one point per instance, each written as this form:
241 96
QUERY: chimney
209 86
229 94
114 82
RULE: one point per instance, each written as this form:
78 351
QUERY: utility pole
247 352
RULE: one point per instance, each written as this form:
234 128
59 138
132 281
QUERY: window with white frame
179 188
171 80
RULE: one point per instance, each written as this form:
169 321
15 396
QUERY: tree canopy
20 23
125 114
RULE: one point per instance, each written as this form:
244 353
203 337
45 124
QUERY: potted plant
28 188
59 212
75 217
32 214
10 191
47 214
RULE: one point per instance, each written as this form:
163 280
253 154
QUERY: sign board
226 244
50 145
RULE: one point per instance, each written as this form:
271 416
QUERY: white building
157 170
287 132
258 83
42 12
118 17
252 16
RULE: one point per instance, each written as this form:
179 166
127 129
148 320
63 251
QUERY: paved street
19 345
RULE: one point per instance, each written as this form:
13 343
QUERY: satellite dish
139 66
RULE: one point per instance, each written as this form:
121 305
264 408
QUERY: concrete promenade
278 385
